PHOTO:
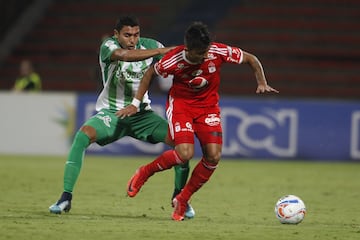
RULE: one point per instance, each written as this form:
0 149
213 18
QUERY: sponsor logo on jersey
212 120
198 83
106 119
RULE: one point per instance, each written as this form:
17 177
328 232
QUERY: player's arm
143 87
137 54
258 70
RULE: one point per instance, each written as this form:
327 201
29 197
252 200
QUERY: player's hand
127 111
262 88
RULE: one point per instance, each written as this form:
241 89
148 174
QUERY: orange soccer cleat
179 209
135 183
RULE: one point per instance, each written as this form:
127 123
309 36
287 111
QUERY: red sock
200 175
165 161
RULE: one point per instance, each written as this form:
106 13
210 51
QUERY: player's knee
185 156
214 159
213 156
212 153
185 153
90 132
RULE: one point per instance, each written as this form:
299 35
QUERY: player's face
196 56
128 36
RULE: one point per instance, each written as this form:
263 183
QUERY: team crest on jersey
187 128
211 67
212 120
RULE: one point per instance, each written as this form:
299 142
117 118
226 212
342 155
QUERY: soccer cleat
63 204
179 210
190 212
135 183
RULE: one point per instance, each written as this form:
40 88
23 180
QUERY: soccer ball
290 209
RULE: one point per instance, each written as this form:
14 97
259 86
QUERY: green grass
237 203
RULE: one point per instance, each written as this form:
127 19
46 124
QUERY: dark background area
308 48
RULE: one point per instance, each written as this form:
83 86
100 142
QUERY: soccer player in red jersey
192 107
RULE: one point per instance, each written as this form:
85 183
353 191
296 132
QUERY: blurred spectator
28 79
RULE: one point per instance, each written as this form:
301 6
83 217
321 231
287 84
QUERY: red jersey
197 84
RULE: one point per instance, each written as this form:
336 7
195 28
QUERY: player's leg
152 128
182 170
167 159
71 171
181 176
209 133
94 129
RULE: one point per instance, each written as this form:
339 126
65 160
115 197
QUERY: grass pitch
237 203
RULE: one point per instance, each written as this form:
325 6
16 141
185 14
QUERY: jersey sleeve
159 69
228 53
167 65
235 55
107 48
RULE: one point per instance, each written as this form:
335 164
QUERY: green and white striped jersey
121 79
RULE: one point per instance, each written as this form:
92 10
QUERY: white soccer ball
290 209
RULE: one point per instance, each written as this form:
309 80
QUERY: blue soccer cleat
63 204
190 212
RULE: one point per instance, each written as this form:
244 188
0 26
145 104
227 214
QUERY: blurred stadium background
309 48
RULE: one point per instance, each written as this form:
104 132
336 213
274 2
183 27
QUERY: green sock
74 161
181 176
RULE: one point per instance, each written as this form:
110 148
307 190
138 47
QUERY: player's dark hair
126 21
197 36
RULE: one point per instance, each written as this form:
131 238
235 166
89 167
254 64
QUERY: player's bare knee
212 153
185 156
214 158
90 132
185 153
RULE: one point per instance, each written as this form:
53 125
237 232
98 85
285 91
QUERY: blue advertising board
262 127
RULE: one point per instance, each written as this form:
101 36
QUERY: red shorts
185 121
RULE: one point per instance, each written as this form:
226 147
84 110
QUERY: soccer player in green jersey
123 58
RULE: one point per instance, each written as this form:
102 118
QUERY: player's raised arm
143 87
255 64
137 54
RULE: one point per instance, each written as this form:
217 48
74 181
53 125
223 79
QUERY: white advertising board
36 123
